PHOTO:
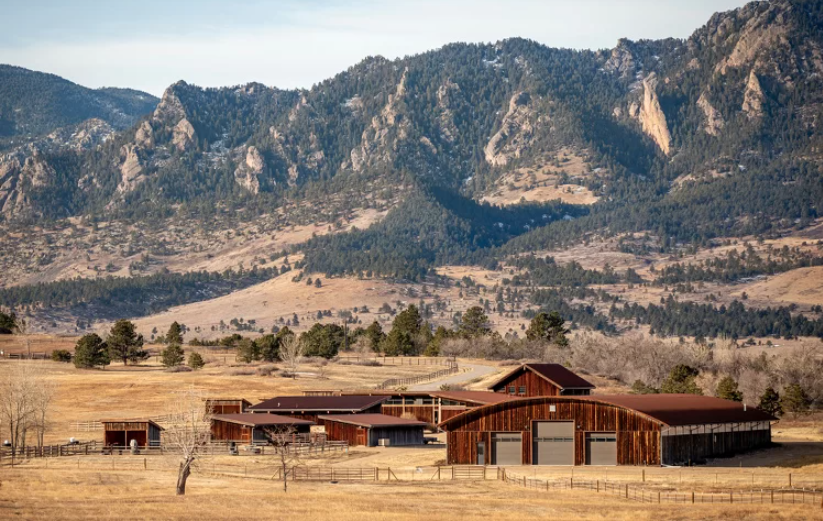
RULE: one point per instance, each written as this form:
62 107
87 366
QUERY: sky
150 44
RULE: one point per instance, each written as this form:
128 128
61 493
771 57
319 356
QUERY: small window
522 390
512 389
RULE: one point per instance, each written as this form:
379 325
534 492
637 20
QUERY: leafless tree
25 398
281 438
291 352
188 432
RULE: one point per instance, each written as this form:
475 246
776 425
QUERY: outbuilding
310 407
654 429
372 430
542 380
258 428
119 433
227 405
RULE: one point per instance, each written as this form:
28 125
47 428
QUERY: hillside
665 155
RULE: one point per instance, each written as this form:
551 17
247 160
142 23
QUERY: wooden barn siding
398 436
451 412
126 426
638 438
226 409
312 415
461 448
154 435
696 448
535 385
423 413
336 431
226 431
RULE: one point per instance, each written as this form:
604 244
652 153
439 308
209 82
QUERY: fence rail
400 382
645 494
48 451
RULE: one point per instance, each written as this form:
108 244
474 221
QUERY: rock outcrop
249 171
170 110
714 120
183 135
515 134
144 136
622 62
379 141
20 174
753 97
766 28
652 118
131 168
447 99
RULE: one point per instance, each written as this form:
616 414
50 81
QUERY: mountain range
471 154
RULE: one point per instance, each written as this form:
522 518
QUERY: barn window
522 390
512 389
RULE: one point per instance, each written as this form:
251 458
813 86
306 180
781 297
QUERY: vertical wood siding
535 385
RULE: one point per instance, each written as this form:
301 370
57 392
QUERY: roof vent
744 407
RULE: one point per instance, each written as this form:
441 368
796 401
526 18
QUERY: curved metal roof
667 409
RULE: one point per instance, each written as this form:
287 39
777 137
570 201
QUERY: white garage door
507 448
553 443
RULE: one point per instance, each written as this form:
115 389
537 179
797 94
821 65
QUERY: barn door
481 453
553 443
507 448
601 448
361 436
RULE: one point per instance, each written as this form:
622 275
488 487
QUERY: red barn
542 380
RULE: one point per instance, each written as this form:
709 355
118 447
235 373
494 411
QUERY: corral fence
648 495
402 382
8 454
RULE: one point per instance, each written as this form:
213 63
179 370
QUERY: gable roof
553 373
260 419
670 410
475 397
372 420
319 403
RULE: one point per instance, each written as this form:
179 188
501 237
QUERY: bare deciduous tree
25 398
188 432
291 352
282 437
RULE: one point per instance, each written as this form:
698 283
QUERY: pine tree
795 399
728 390
269 348
247 351
549 327
175 334
475 323
770 402
196 361
172 356
90 351
375 335
681 380
125 344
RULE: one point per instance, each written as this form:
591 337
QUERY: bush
242 371
61 355
196 361
179 369
267 370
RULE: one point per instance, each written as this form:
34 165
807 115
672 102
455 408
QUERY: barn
227 405
257 428
310 407
119 433
542 380
372 429
653 429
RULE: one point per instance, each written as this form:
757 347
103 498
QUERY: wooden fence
402 382
8 454
648 495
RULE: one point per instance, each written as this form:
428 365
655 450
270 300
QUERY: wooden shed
119 433
370 429
227 405
257 428
310 407
542 380
655 429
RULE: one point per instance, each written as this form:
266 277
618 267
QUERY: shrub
267 370
196 361
61 355
179 369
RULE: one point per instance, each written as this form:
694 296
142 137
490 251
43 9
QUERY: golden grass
78 494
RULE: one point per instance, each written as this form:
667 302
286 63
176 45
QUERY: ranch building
119 433
227 405
372 430
310 407
653 429
258 428
542 380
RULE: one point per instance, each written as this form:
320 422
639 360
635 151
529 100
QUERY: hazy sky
288 43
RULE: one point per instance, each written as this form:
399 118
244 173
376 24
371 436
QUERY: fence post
731 497
772 496
145 466
627 491
692 496
644 475
790 480
658 497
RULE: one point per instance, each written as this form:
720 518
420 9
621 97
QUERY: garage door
601 448
507 449
553 443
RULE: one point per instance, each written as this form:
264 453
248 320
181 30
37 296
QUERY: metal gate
553 443
601 448
507 448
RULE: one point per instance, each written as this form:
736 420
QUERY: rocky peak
170 110
622 62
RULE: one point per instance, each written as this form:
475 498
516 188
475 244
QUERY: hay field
29 493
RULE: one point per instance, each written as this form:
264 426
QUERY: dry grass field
72 494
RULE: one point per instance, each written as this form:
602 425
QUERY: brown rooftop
477 397
319 403
554 373
686 409
372 420
257 420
